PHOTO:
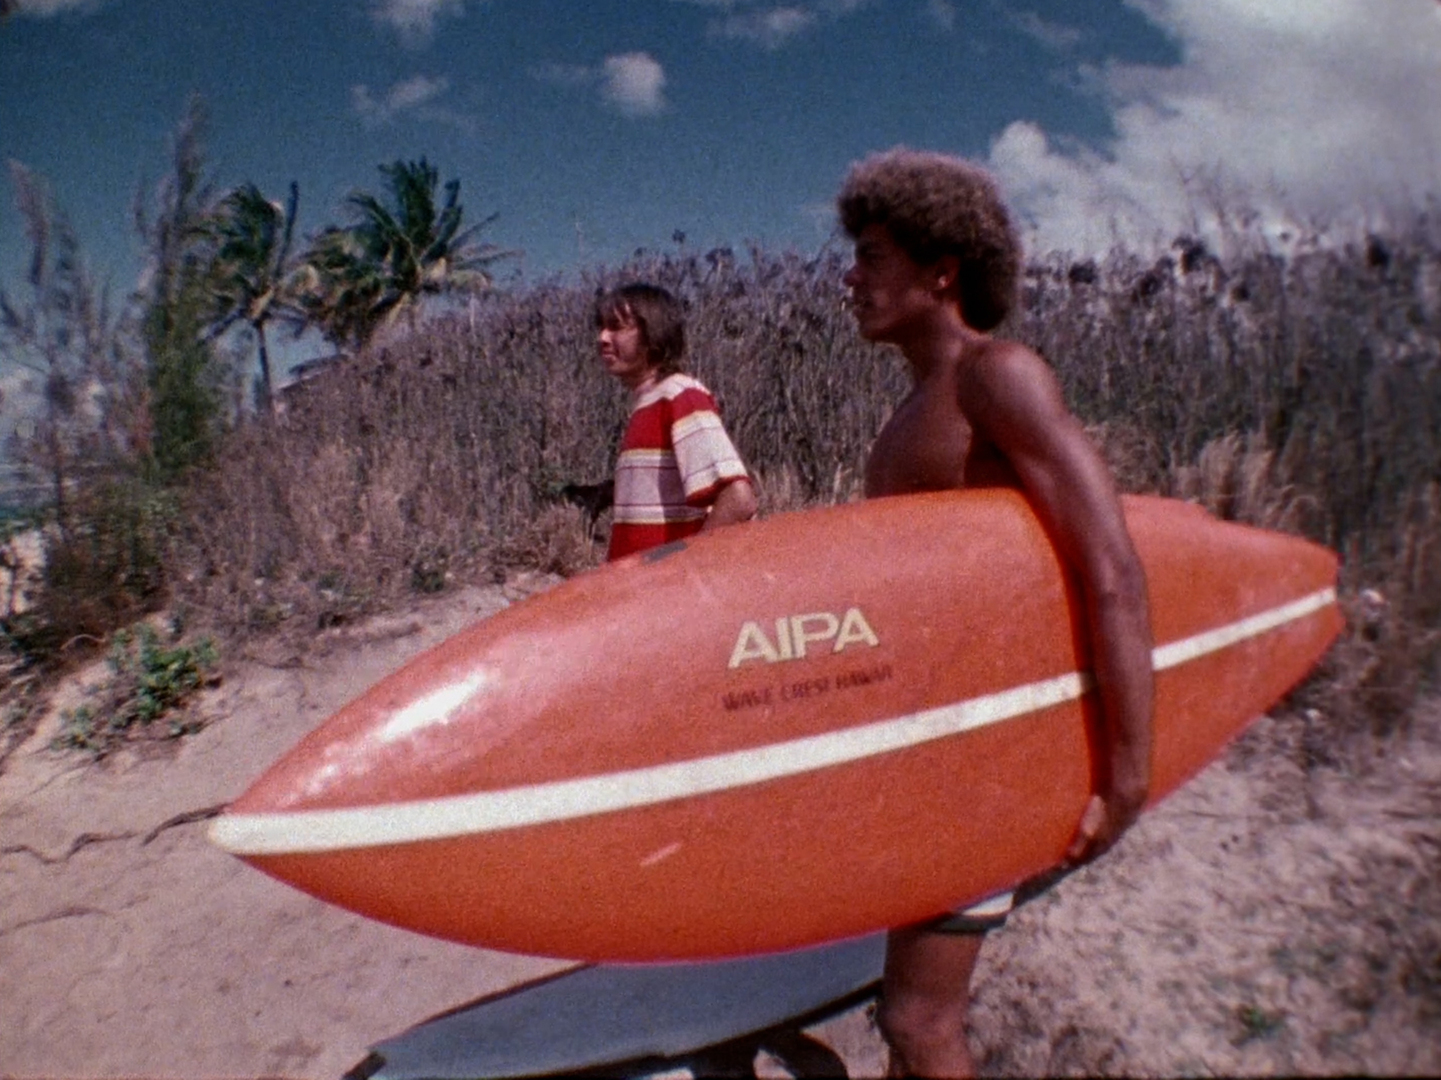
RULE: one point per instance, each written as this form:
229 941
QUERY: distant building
18 491
22 561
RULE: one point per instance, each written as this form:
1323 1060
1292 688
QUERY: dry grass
1299 392
1392 651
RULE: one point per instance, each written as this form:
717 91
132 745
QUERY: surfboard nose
411 736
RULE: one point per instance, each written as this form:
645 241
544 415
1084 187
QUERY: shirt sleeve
705 456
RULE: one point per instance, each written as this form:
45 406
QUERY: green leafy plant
148 681
1257 1023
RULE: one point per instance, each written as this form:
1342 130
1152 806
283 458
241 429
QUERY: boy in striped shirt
677 472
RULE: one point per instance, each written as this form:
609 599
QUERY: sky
594 128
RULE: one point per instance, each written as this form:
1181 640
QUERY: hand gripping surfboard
800 730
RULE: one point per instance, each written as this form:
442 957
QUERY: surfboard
636 1020
801 730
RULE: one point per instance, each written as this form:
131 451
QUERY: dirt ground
1268 919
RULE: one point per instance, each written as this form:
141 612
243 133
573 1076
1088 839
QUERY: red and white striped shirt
674 459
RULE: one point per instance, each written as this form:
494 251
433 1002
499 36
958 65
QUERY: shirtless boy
936 268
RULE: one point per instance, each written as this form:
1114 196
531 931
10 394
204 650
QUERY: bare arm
734 503
1013 398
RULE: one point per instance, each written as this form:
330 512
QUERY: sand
1273 917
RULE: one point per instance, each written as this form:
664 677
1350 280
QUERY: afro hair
935 205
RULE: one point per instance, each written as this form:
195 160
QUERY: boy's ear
946 271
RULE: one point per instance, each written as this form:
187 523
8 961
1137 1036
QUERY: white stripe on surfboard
308 831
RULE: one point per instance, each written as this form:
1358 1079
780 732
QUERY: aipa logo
794 634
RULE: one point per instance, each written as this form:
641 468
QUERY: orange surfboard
796 731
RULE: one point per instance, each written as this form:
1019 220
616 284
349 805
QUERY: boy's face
889 289
623 350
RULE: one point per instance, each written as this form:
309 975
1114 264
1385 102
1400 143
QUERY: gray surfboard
634 1019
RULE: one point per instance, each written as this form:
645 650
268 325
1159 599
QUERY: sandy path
1263 921
1266 920
122 957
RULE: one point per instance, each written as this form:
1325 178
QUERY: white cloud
942 13
1053 35
770 29
43 9
772 25
414 20
631 83
634 83
1297 109
409 95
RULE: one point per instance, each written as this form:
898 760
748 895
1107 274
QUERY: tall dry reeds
444 453
1300 392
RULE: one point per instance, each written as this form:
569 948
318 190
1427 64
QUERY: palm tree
250 274
395 255
341 287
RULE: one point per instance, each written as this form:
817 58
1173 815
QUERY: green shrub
149 681
104 571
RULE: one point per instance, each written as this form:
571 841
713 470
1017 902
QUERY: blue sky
593 128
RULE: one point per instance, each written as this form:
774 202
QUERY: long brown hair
659 315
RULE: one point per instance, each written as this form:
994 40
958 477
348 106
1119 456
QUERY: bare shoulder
1004 382
1012 396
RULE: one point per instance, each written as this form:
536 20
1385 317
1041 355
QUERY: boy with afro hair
936 270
